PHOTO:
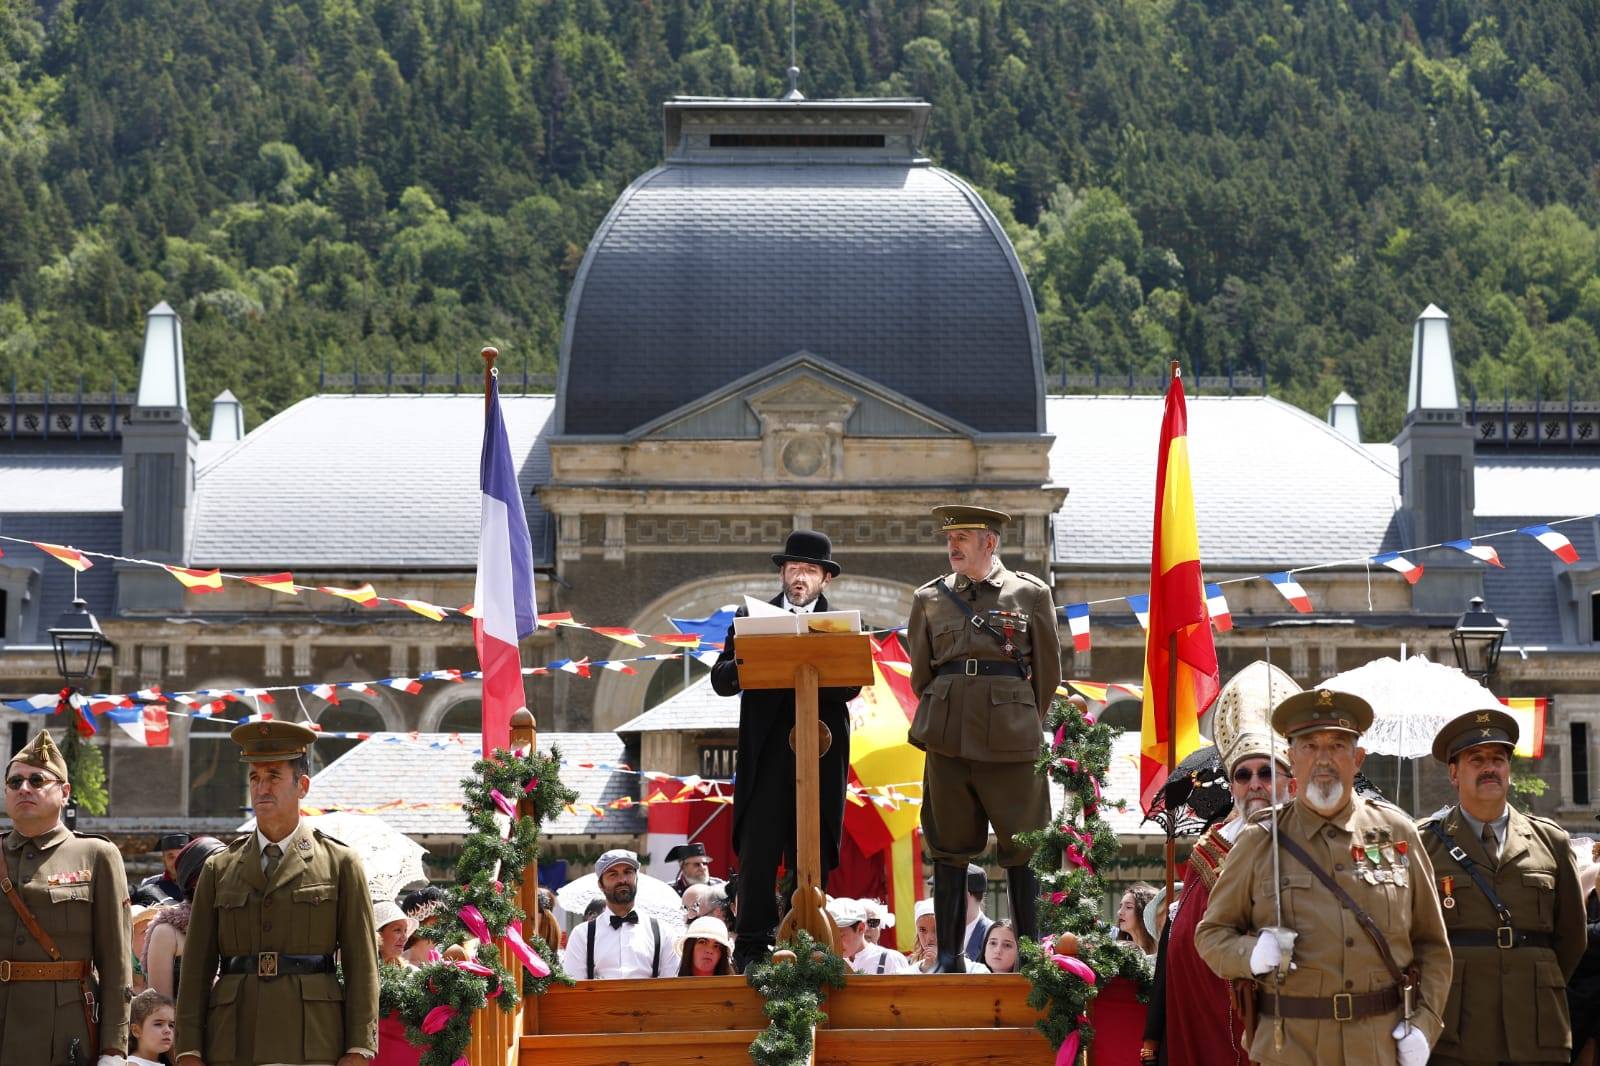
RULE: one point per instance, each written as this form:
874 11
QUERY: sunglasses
873 923
36 781
1243 774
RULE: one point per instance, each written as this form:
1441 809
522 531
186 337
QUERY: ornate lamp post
78 642
1477 637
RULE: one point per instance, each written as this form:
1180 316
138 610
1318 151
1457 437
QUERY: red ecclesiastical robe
1202 1028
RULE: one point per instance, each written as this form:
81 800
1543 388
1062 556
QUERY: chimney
158 460
227 417
1344 415
1436 468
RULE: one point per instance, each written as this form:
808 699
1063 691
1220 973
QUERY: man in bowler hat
763 789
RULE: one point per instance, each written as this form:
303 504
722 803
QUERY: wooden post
807 905
1172 757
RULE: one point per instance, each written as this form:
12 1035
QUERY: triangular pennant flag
146 725
551 619
1141 609
1217 608
619 666
196 580
323 691
280 582
71 556
1481 552
44 703
1285 583
1552 540
621 634
422 607
1078 623
1400 565
677 640
366 595
404 684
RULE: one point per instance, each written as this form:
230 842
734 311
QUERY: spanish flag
1178 620
1530 712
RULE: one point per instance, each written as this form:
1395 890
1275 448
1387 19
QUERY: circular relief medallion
804 456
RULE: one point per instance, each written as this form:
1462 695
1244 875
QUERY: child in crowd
1000 949
151 1023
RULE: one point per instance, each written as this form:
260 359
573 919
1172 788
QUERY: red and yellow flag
1178 621
1529 711
196 580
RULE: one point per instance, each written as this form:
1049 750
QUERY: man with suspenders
860 954
619 941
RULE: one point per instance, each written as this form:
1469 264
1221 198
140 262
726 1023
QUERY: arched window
668 681
348 716
1126 716
217 779
465 718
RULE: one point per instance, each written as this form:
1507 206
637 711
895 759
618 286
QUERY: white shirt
621 952
134 1060
869 958
809 608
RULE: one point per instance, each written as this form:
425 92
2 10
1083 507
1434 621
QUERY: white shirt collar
809 608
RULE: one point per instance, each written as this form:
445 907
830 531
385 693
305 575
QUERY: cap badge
264 729
1324 698
1482 718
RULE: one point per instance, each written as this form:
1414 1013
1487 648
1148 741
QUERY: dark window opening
19 738
1580 763
797 140
5 615
1594 616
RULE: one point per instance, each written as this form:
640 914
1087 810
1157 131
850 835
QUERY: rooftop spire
794 92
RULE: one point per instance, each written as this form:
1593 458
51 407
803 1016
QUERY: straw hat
706 928
386 912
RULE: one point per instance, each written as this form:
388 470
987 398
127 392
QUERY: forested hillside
334 181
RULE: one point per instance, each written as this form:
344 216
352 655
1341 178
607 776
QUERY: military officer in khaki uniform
1339 1000
67 989
1508 1001
270 912
985 663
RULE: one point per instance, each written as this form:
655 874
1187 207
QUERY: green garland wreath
442 995
1068 855
791 983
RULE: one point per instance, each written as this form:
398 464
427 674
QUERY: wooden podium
806 663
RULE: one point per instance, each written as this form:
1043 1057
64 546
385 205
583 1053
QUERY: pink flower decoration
1058 898
1095 781
472 918
1070 765
477 969
437 1019
1069 1050
531 787
1061 734
461 1062
525 954
500 887
507 808
1075 966
434 956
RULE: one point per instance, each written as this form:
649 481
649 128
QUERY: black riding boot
950 916
1022 892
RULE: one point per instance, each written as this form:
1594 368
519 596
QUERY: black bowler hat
808 546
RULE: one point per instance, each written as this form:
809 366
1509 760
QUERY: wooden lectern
805 663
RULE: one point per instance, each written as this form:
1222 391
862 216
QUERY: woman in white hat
394 927
704 949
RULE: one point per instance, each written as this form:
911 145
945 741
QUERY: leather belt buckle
267 964
1505 937
5 971
970 668
1349 1013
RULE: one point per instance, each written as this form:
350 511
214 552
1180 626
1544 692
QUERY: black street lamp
78 642
1477 637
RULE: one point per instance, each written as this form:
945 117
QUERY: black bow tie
620 920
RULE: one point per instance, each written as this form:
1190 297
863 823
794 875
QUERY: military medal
1400 848
1361 861
1010 648
1379 875
1447 890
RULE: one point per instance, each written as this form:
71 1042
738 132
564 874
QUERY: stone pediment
801 392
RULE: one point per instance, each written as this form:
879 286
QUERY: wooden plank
931 1001
645 1005
725 1047
944 1047
840 659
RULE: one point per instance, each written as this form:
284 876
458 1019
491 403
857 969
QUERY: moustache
1490 776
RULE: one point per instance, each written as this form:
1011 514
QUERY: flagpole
489 354
1172 724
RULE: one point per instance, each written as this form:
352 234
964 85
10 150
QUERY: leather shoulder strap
1474 871
982 623
15 899
655 949
1361 916
592 927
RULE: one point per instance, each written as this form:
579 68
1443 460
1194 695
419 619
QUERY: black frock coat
766 717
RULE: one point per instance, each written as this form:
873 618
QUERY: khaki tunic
982 733
1510 1006
76 887
1333 954
316 904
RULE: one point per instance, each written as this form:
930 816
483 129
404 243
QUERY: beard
1256 801
696 877
800 599
619 894
1325 795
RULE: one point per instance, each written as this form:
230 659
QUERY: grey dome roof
708 270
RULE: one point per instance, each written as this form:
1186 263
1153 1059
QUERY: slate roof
99 532
696 708
75 483
1528 592
703 273
364 482
391 766
1550 485
1274 486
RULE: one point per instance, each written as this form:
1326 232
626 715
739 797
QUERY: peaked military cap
953 516
1322 708
1474 728
42 752
272 741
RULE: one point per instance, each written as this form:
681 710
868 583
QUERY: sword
1277 878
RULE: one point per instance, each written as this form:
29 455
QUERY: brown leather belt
1344 1007
1503 937
42 971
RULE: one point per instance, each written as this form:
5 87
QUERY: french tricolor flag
504 593
1141 610
1400 565
1285 583
1554 541
1481 552
146 725
1078 622
1217 608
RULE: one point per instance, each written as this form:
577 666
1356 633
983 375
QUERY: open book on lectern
766 620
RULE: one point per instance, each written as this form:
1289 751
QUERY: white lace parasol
1411 699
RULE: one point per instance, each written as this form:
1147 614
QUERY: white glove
1272 950
1410 1045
